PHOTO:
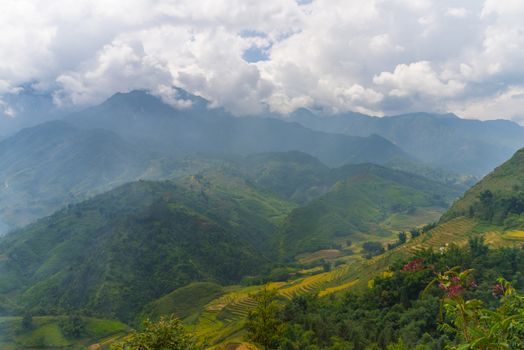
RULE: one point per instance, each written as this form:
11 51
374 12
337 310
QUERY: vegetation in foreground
423 303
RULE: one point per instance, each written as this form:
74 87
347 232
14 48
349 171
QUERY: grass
46 333
46 336
184 302
405 222
318 255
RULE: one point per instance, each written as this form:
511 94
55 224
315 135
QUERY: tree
264 326
372 249
73 326
402 237
166 334
27 321
477 247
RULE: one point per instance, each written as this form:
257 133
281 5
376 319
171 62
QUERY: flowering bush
414 265
476 326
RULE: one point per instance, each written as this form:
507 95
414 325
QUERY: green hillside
300 177
294 175
120 250
200 245
498 198
46 332
363 206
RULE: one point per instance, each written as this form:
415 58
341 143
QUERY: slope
140 117
48 166
498 198
459 145
118 251
358 207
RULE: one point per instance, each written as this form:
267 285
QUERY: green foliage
136 243
476 326
166 334
27 321
263 325
73 326
372 249
46 333
498 198
183 302
400 311
358 204
63 164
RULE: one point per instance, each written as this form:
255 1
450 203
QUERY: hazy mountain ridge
444 141
45 167
140 117
135 135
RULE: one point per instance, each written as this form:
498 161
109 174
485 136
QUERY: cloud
6 110
378 57
417 78
458 12
505 105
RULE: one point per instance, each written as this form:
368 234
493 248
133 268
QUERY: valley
170 219
261 175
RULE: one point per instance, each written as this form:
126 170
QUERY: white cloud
6 110
417 78
371 56
506 104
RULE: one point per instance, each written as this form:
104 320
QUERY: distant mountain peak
144 98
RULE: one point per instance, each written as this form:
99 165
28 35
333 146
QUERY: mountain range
443 141
136 136
132 207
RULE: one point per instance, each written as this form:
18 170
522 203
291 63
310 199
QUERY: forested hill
363 203
116 252
498 198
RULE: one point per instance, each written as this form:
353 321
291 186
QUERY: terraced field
223 318
515 235
454 231
338 288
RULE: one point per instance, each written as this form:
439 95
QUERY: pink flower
415 265
497 290
454 290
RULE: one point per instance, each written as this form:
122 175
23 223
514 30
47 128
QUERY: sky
378 57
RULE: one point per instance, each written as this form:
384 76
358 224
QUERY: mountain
498 198
442 141
296 176
135 135
45 167
368 203
300 178
122 249
27 107
142 118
